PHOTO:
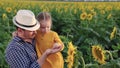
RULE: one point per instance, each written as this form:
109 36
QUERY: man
20 52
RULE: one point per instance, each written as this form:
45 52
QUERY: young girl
47 38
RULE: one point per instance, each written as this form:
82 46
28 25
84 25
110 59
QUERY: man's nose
45 29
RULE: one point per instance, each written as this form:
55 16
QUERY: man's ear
20 31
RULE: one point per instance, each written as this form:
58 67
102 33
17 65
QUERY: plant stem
109 54
83 62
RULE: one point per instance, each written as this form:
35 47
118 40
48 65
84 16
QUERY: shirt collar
18 39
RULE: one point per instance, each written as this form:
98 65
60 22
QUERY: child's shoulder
53 32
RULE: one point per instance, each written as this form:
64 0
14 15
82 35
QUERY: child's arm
58 40
44 56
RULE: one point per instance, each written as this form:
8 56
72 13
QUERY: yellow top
46 41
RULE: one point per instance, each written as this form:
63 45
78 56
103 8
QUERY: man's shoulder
15 44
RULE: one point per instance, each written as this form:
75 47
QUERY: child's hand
14 33
53 50
56 46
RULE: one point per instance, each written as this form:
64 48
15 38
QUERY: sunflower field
90 30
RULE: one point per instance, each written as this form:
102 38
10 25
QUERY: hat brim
34 28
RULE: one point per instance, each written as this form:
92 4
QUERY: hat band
25 25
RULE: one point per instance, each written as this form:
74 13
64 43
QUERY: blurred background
85 23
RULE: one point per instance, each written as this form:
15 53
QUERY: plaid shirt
20 54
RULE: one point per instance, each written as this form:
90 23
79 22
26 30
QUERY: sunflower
114 29
102 12
4 16
75 11
71 52
109 16
15 11
83 16
93 12
100 7
89 7
98 54
8 9
112 35
71 49
108 8
70 60
89 16
46 10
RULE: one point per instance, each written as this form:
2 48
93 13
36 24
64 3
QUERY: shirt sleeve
58 40
17 59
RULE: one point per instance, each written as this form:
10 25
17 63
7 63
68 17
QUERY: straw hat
25 19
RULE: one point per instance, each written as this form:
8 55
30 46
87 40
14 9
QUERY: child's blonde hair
44 16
